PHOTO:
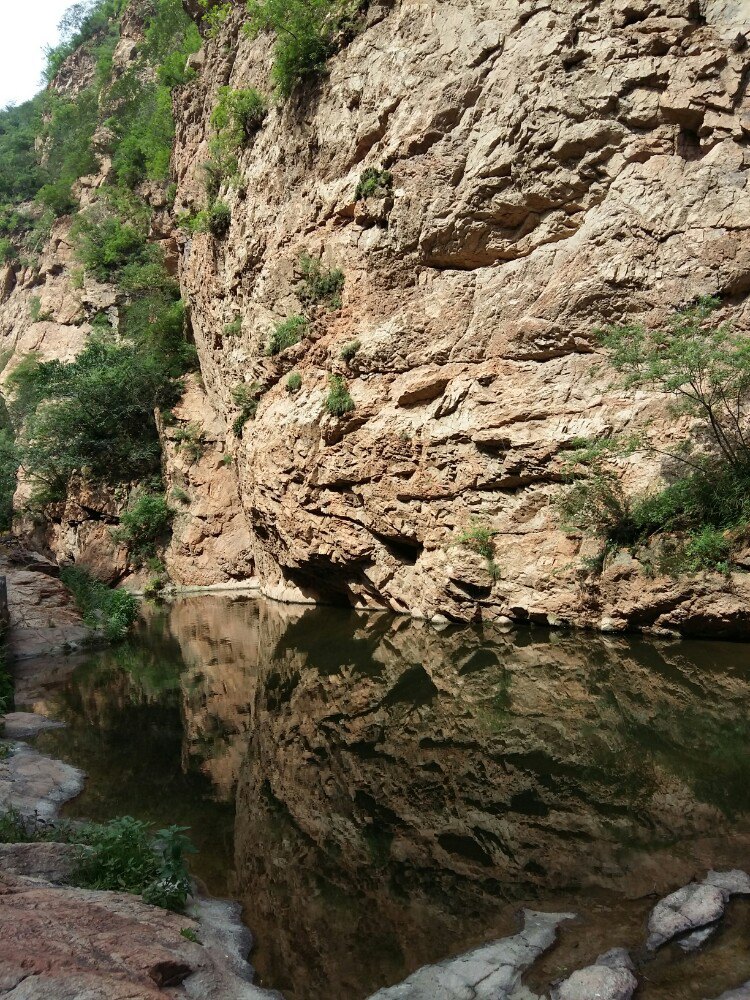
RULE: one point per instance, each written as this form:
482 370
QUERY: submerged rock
26 725
692 912
492 972
609 978
36 785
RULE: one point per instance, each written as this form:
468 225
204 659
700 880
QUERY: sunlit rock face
556 167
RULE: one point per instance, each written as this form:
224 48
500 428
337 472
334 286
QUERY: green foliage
124 856
307 33
238 116
93 416
479 538
216 220
20 173
246 398
146 523
105 245
293 382
190 934
374 183
9 462
707 549
320 284
8 251
286 334
234 328
190 439
338 401
349 350
180 495
111 611
703 367
215 16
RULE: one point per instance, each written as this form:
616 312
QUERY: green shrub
124 856
234 328
246 397
104 246
35 310
58 197
349 350
111 611
9 462
8 251
215 16
216 220
321 284
238 115
338 401
145 524
293 382
307 33
92 416
180 495
479 538
707 549
190 439
286 334
374 182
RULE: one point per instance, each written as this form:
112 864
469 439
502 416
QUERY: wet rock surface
26 725
692 912
36 785
611 977
492 972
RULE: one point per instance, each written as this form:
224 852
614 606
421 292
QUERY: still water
380 794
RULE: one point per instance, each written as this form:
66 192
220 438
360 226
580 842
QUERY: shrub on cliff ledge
703 369
321 284
287 334
307 33
338 401
145 523
238 115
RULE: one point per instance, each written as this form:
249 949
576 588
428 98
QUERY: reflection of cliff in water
400 789
411 780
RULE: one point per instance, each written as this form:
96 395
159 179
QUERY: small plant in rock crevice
480 538
293 383
287 334
234 328
238 115
320 284
338 401
374 183
246 397
348 351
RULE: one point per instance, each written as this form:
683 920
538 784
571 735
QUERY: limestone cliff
555 166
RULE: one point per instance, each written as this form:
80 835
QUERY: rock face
556 166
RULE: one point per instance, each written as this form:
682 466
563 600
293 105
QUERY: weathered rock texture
556 165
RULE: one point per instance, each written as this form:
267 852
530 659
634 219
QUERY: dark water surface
380 794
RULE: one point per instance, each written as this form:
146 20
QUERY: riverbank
241 689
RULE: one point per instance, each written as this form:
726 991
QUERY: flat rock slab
90 945
26 725
609 978
690 914
492 972
52 862
36 785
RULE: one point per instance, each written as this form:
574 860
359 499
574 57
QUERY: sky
28 25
